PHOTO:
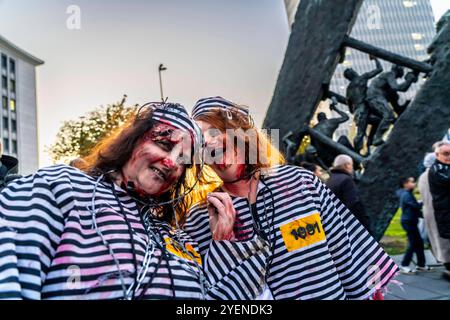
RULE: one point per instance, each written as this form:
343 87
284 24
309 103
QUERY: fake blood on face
221 166
235 186
146 155
168 163
240 171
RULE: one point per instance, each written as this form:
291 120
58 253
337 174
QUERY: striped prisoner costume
52 247
319 249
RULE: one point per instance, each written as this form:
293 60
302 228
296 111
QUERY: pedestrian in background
440 247
411 212
342 184
439 178
439 182
8 168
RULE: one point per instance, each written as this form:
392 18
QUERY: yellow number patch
302 232
177 249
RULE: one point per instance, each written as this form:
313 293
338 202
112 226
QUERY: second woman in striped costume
319 250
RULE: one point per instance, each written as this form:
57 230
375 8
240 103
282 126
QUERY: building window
4 82
347 63
419 47
12 105
4 62
417 36
6 145
12 86
14 125
5 123
14 147
409 3
5 103
12 66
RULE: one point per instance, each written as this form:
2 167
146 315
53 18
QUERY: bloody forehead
167 132
162 127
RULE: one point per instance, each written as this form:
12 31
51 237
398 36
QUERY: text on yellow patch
302 232
188 253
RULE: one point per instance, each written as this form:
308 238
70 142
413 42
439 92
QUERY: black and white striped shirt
51 247
320 250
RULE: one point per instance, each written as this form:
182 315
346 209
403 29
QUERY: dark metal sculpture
336 147
290 147
327 127
382 92
356 97
425 121
312 55
394 58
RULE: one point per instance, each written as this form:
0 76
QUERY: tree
76 138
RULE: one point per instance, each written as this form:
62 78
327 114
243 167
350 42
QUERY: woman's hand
221 215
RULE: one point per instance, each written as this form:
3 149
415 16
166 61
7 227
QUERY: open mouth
160 173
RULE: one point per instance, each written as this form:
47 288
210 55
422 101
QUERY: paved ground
422 286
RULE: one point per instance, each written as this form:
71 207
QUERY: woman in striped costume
319 250
109 231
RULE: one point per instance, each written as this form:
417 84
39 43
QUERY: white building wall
26 112
27 118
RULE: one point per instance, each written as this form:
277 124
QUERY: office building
18 125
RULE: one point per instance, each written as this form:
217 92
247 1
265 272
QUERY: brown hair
221 120
113 152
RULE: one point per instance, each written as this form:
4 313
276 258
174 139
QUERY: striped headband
206 105
176 115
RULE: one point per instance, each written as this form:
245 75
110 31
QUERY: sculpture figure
327 126
382 91
356 97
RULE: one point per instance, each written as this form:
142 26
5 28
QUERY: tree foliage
76 138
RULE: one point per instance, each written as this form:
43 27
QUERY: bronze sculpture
356 97
382 92
304 81
328 126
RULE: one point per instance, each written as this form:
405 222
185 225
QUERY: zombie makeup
225 159
157 162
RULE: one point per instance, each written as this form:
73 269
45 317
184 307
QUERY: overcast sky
232 48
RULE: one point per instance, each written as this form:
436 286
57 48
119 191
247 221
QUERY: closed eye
165 144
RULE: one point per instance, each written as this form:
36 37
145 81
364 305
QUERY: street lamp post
161 68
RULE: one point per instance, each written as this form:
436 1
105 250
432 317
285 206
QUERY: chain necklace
178 243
